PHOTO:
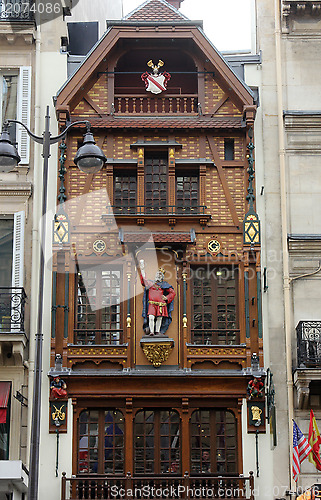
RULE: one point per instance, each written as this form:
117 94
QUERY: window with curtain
5 403
213 441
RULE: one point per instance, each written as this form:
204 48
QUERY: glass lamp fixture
9 157
89 157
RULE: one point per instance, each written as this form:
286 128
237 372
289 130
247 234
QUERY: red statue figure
58 388
255 388
158 302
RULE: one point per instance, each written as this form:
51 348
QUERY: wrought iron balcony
165 486
12 310
17 10
309 344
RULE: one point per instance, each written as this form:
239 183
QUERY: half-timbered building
162 408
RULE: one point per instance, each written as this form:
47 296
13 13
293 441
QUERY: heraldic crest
155 82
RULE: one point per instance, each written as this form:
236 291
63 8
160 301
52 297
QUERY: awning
4 400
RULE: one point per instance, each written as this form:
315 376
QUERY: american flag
301 450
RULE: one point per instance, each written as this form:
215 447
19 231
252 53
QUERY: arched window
213 441
101 442
157 442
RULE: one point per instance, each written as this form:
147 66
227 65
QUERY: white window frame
23 112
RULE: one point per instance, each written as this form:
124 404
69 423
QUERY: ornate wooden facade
174 191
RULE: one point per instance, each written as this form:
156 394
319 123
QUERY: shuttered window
15 97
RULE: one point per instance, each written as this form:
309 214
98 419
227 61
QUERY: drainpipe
284 236
37 176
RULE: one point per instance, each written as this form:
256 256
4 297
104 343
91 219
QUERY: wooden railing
147 210
92 336
146 104
215 337
164 487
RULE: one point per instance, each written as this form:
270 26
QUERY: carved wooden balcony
146 104
173 486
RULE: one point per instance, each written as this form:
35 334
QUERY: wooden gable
91 89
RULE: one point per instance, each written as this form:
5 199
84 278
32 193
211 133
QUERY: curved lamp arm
52 140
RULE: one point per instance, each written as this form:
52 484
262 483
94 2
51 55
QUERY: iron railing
309 344
163 487
215 337
97 336
17 10
166 210
12 310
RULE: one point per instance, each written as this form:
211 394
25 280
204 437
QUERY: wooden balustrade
164 487
165 104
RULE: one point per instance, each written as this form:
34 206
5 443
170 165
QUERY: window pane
211 449
214 311
98 319
114 442
9 83
186 193
144 442
155 183
6 251
125 199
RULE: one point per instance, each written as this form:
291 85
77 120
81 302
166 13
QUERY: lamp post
89 159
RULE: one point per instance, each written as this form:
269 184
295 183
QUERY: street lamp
89 159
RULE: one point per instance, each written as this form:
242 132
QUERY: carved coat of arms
155 82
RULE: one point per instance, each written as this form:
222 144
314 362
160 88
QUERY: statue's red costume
157 306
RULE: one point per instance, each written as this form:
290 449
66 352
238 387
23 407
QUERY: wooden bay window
99 306
214 303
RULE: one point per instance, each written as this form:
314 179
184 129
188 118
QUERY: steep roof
155 10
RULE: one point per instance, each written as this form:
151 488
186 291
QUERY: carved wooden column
140 184
129 433
185 441
239 435
128 317
247 308
259 307
171 177
202 184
